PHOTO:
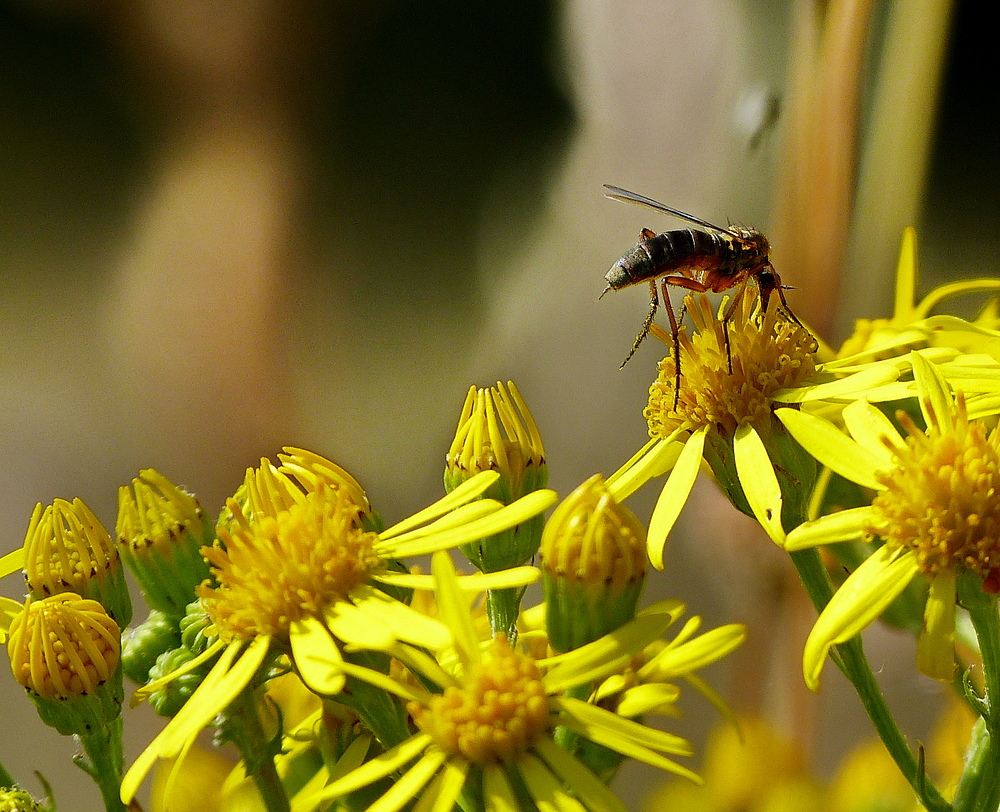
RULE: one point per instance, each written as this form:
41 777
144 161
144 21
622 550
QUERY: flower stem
105 762
853 663
979 787
242 726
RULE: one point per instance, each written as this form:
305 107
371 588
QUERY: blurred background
228 227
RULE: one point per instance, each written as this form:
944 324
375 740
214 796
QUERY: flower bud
593 562
161 530
496 432
65 650
67 549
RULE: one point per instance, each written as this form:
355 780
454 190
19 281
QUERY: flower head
299 571
494 717
276 571
67 549
161 529
593 562
935 509
65 650
767 355
725 417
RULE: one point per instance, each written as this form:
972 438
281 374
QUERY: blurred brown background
226 227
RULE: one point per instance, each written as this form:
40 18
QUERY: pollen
942 499
63 646
768 353
275 570
495 715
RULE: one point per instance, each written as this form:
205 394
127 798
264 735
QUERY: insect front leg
654 302
725 324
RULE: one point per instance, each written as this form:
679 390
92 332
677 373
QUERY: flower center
497 713
768 354
279 569
943 497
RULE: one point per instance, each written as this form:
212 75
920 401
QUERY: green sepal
84 714
577 615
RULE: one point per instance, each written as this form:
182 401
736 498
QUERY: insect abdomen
666 253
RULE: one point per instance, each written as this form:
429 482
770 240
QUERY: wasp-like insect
710 261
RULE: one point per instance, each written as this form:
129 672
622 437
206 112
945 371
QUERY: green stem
106 763
979 787
852 662
243 727
6 780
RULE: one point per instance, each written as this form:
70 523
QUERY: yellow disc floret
278 569
943 497
497 712
768 353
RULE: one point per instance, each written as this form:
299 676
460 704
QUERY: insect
711 261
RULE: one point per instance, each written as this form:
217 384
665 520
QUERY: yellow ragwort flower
299 571
495 715
67 549
937 510
722 415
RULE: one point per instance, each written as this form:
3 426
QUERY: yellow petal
426 541
868 426
906 278
844 525
465 492
454 608
674 494
832 447
868 378
317 656
476 582
936 645
578 778
497 793
760 485
12 562
652 460
865 594
404 622
544 788
931 386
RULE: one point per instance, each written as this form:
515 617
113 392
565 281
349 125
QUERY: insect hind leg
654 302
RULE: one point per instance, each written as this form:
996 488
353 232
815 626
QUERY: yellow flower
67 549
937 510
298 569
912 324
493 720
722 415
161 529
66 651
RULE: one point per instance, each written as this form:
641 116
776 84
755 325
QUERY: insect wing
625 196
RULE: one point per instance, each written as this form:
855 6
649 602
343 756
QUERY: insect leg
676 336
654 302
696 287
725 323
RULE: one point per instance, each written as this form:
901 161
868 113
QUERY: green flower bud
161 530
496 432
140 647
171 697
593 562
194 627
